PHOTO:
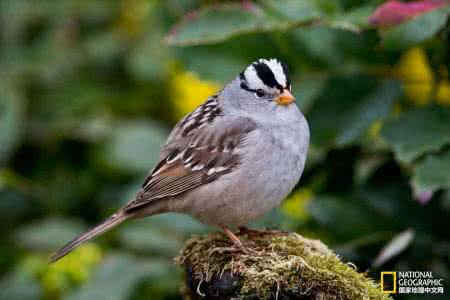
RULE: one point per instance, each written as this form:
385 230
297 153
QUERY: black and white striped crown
266 74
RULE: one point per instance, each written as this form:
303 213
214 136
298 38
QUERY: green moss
276 262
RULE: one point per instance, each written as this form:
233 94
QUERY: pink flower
423 197
394 12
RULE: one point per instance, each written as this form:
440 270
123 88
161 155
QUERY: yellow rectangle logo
394 282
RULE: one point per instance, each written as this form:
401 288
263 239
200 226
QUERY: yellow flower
71 270
295 205
74 268
375 128
54 282
90 254
417 76
133 15
189 91
443 92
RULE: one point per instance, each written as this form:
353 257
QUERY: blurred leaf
210 64
349 247
319 44
14 16
418 131
379 192
306 88
134 145
14 205
19 286
347 217
433 172
390 197
180 7
162 233
365 166
416 30
347 107
396 246
295 12
117 276
104 47
48 234
142 237
446 200
150 58
377 105
219 22
179 223
354 19
11 119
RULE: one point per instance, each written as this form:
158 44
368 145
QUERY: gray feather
106 225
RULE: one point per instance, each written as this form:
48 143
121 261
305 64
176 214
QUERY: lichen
277 262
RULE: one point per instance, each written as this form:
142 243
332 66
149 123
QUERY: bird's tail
107 224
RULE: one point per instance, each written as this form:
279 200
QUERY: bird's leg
236 241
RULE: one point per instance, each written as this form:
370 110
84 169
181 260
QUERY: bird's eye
260 93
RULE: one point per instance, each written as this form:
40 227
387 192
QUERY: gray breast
271 163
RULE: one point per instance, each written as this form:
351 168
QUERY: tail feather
107 224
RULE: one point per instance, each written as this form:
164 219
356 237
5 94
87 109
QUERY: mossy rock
275 265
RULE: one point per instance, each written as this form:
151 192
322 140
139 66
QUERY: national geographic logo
411 282
389 282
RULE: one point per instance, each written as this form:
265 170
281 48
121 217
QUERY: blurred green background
89 90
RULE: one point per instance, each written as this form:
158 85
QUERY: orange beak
285 98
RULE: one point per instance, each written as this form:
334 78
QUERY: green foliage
363 101
106 284
418 131
18 286
433 172
11 119
36 235
132 145
220 22
416 30
90 89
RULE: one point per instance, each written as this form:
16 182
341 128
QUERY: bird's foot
238 246
236 241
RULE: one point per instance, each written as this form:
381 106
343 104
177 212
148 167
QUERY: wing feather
196 158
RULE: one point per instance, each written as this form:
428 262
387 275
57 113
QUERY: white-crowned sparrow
234 158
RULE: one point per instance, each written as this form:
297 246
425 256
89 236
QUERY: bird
231 160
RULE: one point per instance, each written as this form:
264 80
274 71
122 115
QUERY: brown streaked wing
205 157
